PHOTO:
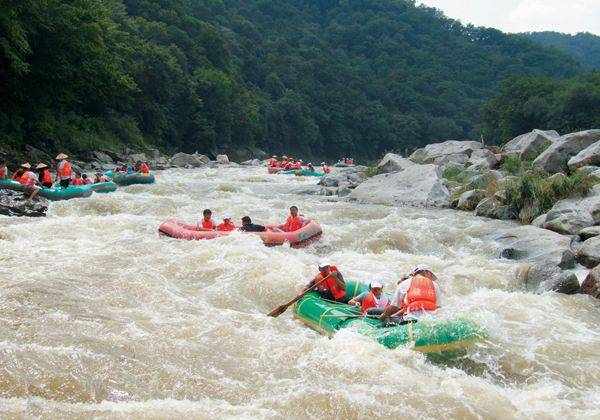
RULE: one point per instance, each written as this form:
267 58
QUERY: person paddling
144 168
331 284
206 223
44 175
248 226
417 294
29 180
227 225
64 171
371 302
294 221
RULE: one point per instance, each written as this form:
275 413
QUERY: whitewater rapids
101 317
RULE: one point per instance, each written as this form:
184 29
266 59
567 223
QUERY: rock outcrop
342 180
493 208
184 160
416 185
392 162
556 157
589 253
530 145
13 203
222 159
591 284
590 156
469 200
438 151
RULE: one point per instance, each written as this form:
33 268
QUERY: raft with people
427 335
130 178
303 172
55 193
271 236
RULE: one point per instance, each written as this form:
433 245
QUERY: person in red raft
206 223
329 283
294 221
227 225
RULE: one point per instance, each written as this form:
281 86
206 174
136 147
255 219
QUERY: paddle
282 308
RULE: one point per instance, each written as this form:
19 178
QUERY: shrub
514 165
372 171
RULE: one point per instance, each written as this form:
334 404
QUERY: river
99 316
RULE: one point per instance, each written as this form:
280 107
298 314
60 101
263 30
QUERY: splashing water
99 316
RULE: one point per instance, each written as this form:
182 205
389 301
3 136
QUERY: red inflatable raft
308 234
274 169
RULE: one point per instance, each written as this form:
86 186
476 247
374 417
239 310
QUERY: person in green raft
416 295
329 283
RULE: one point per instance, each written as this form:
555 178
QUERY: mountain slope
319 77
584 47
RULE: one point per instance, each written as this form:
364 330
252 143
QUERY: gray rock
431 152
493 208
222 159
589 232
529 146
540 220
568 220
183 160
252 162
101 157
344 177
591 284
590 156
587 170
417 185
589 253
13 203
392 162
483 159
469 200
450 160
138 157
481 180
555 158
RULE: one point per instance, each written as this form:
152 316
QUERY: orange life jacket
292 224
331 284
46 177
370 301
208 224
144 168
420 296
64 170
226 227
28 179
77 181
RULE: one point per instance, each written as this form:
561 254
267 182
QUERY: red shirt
226 227
77 181
330 283
144 168
208 224
292 224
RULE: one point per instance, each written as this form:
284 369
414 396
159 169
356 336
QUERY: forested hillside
320 77
584 47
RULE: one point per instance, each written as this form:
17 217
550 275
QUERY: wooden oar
282 308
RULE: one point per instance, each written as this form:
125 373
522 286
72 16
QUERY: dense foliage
584 47
524 104
313 77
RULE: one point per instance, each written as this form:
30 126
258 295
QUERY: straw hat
61 156
41 166
26 165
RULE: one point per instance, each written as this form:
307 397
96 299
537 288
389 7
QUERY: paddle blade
278 311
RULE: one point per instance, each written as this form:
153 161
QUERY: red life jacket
331 284
226 227
3 172
292 224
420 296
77 181
64 170
46 177
28 179
208 224
370 301
144 168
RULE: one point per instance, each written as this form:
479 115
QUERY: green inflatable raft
302 172
444 338
104 187
123 179
55 193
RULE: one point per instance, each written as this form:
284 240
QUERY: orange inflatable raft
308 234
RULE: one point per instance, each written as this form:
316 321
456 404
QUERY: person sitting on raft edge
3 170
227 225
372 302
416 295
294 221
248 226
206 223
330 283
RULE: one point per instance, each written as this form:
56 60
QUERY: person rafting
86 180
326 169
417 294
329 283
373 301
78 180
294 221
248 226
3 170
206 223
227 225
143 168
64 171
16 176
44 175
29 180
310 167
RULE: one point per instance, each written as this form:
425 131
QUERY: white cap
376 285
323 263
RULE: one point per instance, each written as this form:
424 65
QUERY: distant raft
124 179
447 338
55 193
308 234
302 172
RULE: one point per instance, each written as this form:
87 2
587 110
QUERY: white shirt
402 289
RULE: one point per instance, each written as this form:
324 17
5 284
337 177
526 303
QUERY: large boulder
451 160
222 159
348 177
392 162
417 185
556 157
101 157
470 199
590 156
529 146
589 232
184 160
13 203
138 157
493 208
589 253
431 152
572 215
591 284
483 159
